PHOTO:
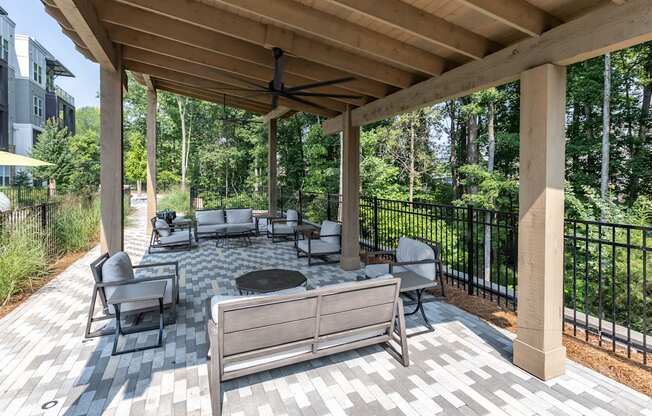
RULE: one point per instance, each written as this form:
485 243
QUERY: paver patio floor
464 367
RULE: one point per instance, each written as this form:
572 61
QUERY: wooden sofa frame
269 325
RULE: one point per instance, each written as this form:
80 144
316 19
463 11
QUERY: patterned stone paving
462 368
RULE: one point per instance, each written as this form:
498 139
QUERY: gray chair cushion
162 227
147 304
209 217
318 247
239 216
210 228
292 217
117 268
378 270
177 237
281 228
330 228
414 250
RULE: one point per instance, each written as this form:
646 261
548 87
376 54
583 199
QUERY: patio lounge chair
248 335
110 272
173 237
327 242
283 229
417 262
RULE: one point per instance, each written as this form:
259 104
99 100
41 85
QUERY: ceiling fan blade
320 84
302 101
319 94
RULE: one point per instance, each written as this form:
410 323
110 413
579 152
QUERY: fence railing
36 221
606 266
25 196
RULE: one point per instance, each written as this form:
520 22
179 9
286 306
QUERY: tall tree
606 124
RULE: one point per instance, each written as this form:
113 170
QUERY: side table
137 292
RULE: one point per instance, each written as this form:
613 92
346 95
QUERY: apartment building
28 93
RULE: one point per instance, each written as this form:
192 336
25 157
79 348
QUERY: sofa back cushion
239 216
415 250
117 268
330 228
292 217
162 227
210 216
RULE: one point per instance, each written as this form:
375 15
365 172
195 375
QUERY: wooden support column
538 348
272 196
350 259
151 157
111 170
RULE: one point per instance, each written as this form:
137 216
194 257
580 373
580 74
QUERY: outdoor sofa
248 335
210 222
321 244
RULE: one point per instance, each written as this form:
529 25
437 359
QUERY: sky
31 19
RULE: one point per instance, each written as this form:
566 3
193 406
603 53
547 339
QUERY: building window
38 106
38 73
5 49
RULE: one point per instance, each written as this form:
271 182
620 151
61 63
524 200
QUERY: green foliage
23 260
494 190
76 225
136 158
53 145
174 200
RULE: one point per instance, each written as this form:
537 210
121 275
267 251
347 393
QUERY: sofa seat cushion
318 247
210 228
209 216
381 270
414 250
177 237
240 227
162 227
281 228
239 216
147 304
333 229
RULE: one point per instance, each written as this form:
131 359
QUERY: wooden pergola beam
432 29
605 29
278 112
219 88
152 58
214 98
221 21
518 14
349 35
82 17
136 19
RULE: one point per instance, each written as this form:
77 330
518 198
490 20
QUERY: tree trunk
184 142
453 159
412 172
643 124
472 145
606 112
139 186
491 153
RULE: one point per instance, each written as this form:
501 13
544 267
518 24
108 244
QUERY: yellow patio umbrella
12 159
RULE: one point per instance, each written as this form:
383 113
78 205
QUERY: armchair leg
91 319
399 336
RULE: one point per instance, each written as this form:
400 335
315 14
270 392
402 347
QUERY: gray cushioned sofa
212 221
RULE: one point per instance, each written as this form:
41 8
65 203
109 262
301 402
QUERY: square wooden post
350 209
272 187
538 348
151 157
111 169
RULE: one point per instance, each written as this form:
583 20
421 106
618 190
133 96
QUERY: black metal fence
25 196
606 266
36 221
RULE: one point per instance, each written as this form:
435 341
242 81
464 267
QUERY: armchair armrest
410 263
161 264
134 281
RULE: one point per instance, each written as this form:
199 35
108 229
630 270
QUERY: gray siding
25 91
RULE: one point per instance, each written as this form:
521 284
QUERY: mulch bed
58 267
630 372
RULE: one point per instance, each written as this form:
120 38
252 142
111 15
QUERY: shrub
76 225
23 259
175 200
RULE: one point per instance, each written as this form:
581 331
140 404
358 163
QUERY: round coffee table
270 280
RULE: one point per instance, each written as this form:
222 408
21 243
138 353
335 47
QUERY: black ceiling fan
276 87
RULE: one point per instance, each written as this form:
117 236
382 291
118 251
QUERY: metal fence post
300 206
328 207
470 249
376 223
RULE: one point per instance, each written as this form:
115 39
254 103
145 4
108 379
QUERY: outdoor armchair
321 244
175 237
417 262
283 228
110 272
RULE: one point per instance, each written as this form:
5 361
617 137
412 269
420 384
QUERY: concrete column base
350 263
542 364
